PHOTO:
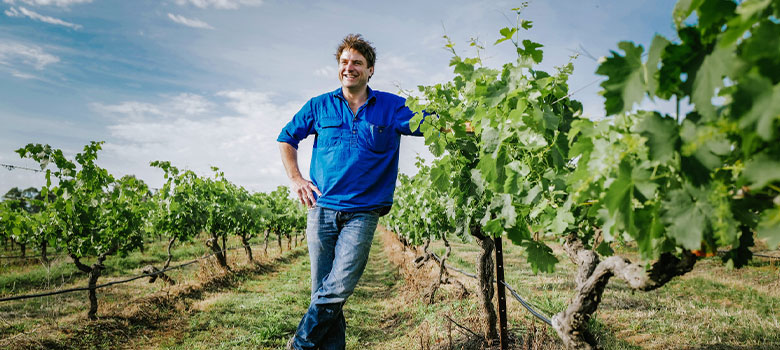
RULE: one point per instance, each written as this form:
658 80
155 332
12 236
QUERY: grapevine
675 186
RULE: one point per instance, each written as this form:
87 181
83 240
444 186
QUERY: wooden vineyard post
501 294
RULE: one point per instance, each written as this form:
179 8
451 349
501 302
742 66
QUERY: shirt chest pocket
329 131
377 138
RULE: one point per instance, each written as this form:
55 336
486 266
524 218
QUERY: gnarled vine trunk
485 268
219 253
44 253
265 244
155 273
170 256
224 248
422 259
93 304
247 248
444 274
94 272
593 276
404 243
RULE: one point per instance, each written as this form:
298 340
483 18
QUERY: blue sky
211 82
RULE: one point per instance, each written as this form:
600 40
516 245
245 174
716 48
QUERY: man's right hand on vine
467 125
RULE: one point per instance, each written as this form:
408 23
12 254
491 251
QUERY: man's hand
305 190
302 188
469 128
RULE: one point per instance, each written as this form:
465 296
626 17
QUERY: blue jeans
339 243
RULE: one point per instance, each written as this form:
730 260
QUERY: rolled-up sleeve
301 126
403 116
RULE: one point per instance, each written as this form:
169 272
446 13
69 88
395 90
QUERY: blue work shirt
354 162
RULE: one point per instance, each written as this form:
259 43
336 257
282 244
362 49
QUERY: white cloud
220 4
247 102
394 65
394 72
185 105
327 72
23 12
12 53
130 110
60 3
190 104
243 146
21 75
189 22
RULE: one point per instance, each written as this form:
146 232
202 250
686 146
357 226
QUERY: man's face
353 70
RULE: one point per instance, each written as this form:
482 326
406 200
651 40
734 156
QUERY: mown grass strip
262 313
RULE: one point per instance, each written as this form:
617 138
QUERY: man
354 167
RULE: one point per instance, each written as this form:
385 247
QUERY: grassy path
259 306
263 312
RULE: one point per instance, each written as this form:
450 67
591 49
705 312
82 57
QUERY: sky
206 83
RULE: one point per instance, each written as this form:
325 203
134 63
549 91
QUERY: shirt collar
340 94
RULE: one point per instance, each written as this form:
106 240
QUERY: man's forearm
290 160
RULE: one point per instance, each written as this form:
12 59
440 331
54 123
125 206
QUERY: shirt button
354 131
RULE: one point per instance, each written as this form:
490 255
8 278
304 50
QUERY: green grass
65 313
263 313
711 307
260 313
35 276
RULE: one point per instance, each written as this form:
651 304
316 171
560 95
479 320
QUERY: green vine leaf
663 139
531 49
624 85
716 66
761 171
540 257
686 212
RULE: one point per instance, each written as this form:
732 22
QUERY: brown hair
356 42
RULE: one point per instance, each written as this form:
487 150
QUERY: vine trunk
591 279
485 268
